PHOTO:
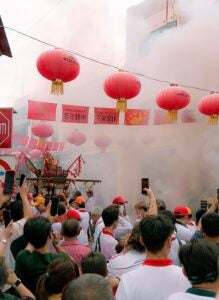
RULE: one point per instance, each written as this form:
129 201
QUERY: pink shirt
76 250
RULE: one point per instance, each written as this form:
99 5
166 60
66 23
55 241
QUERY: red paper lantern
209 105
76 138
58 66
35 153
43 131
102 142
122 86
172 99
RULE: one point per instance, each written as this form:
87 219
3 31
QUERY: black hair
161 205
110 214
61 210
88 287
37 231
210 224
71 228
59 273
134 239
169 214
16 208
199 259
154 231
94 262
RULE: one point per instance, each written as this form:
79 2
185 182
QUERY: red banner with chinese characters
41 110
161 117
6 127
106 116
137 117
75 114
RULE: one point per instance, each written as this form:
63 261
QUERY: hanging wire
103 63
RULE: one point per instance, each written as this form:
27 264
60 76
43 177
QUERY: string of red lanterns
60 66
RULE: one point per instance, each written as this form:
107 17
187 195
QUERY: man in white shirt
90 202
181 214
157 278
199 259
124 225
106 241
79 204
97 222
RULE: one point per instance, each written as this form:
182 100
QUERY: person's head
90 193
61 210
94 262
62 200
161 205
88 287
59 273
110 216
181 214
16 209
134 240
39 203
199 260
70 228
96 214
37 231
199 213
156 234
79 202
168 214
210 225
141 209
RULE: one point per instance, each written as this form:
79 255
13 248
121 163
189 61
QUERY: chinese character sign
75 114
106 116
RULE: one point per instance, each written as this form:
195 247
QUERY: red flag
49 146
75 114
106 116
161 117
41 110
6 127
137 117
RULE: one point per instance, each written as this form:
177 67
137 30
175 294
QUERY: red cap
73 214
181 211
119 200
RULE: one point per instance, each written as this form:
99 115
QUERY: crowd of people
87 252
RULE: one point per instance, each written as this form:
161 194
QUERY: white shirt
183 233
124 227
152 283
174 250
18 228
90 204
85 219
125 262
98 228
188 296
107 244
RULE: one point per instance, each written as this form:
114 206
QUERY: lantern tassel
57 87
213 120
121 105
172 115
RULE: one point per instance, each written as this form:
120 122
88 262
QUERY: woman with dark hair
95 263
130 258
59 273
